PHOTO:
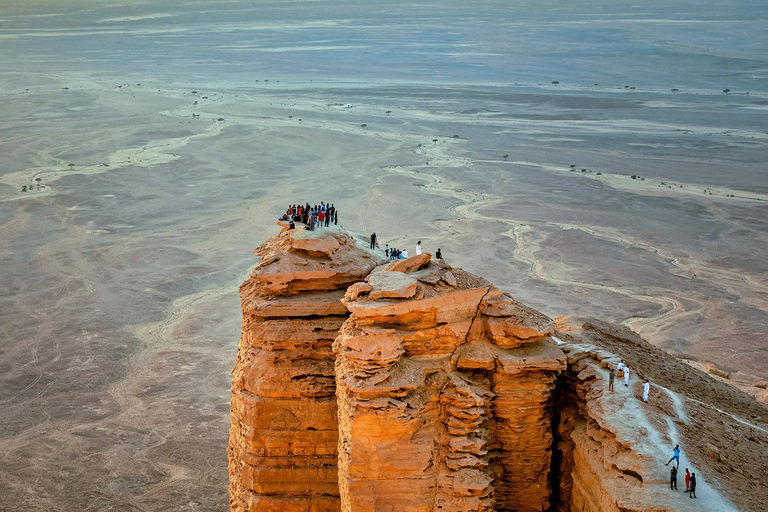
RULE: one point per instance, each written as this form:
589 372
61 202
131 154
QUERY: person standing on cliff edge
611 378
418 247
646 390
373 240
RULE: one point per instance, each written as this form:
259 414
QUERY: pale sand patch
651 186
136 18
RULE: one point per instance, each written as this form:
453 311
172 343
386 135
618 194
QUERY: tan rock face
414 386
284 435
438 410
298 261
409 264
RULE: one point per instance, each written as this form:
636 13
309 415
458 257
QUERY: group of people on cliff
393 253
325 213
690 478
311 216
624 368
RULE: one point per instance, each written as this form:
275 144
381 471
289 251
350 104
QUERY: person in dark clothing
373 241
291 225
438 254
692 489
386 250
673 478
335 216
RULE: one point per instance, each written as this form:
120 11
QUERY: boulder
411 264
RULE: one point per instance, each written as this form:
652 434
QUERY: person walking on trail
692 488
386 250
675 456
687 480
646 390
438 254
373 241
611 378
418 247
673 478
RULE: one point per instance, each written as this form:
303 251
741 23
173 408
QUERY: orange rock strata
284 435
436 412
413 386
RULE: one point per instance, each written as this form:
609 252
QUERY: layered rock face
284 436
363 385
444 389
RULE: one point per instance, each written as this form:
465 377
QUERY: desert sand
146 149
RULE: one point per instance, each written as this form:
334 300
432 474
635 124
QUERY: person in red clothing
687 479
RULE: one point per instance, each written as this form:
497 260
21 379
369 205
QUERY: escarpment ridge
365 385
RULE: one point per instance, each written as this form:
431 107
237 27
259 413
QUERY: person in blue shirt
675 456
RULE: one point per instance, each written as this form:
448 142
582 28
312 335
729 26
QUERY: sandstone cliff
444 390
283 436
363 385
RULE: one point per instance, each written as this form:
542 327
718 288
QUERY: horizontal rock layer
284 434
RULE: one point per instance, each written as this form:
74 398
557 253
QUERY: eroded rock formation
284 435
362 385
444 398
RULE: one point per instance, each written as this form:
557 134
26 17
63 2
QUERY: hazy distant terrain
434 122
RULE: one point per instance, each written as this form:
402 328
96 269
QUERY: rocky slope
363 385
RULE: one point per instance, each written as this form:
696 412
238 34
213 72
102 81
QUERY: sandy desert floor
146 149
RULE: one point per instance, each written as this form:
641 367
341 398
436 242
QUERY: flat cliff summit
368 385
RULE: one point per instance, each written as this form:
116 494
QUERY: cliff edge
365 385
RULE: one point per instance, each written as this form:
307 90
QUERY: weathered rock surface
442 407
283 436
362 385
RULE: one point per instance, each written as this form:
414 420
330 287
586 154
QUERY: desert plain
585 158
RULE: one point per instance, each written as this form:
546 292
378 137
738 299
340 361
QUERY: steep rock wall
283 434
444 388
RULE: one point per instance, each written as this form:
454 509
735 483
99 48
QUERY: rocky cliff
363 385
284 434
